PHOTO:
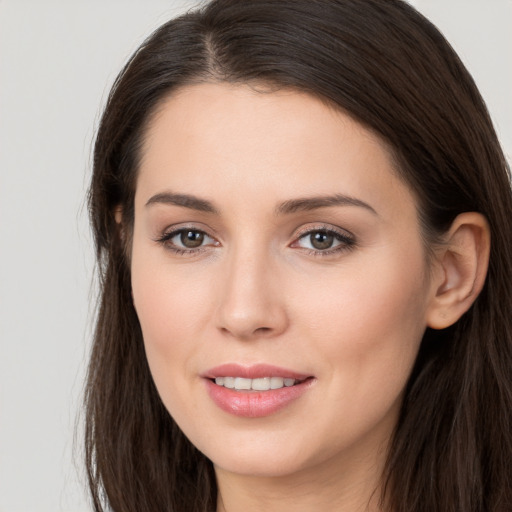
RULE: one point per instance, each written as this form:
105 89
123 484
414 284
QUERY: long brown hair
389 68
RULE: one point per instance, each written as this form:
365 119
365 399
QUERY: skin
258 291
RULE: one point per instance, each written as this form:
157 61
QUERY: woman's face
275 247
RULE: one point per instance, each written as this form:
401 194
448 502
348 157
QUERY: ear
461 263
118 214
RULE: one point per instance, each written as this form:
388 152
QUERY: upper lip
255 371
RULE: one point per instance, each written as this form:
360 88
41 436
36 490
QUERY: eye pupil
191 239
321 240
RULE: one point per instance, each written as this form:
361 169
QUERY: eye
324 241
320 240
189 239
186 240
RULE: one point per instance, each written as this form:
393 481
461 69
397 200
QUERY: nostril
263 329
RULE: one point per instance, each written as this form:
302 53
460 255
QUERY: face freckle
272 235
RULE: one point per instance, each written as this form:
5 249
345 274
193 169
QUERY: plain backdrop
57 62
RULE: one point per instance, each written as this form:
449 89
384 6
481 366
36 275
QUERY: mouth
255 391
258 384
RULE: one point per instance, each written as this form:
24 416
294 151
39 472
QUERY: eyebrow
185 200
312 203
285 208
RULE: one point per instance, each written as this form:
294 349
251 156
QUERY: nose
251 300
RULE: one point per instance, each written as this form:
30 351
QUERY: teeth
229 382
260 384
276 382
241 383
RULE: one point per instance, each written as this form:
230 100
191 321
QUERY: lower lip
255 404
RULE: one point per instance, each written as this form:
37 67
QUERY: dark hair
389 68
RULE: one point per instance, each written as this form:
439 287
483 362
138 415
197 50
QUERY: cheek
369 321
364 331
169 313
171 307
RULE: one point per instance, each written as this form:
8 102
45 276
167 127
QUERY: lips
252 372
254 391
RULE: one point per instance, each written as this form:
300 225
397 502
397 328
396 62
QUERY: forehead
217 138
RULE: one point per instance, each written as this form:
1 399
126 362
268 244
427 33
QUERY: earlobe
462 267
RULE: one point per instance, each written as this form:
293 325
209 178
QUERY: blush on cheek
377 319
168 319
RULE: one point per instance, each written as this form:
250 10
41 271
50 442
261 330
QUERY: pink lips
254 404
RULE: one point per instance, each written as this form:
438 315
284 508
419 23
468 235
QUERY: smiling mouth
255 391
258 384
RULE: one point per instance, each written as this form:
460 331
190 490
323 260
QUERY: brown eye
191 239
321 240
187 240
325 241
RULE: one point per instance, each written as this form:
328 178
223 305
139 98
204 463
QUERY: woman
301 307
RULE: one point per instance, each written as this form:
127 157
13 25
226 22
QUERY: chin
265 459
261 467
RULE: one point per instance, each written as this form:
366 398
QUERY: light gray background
57 61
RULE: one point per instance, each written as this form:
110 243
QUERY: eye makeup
324 240
320 240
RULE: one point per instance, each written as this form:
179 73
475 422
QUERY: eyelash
346 241
166 238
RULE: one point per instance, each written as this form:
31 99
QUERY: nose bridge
250 303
